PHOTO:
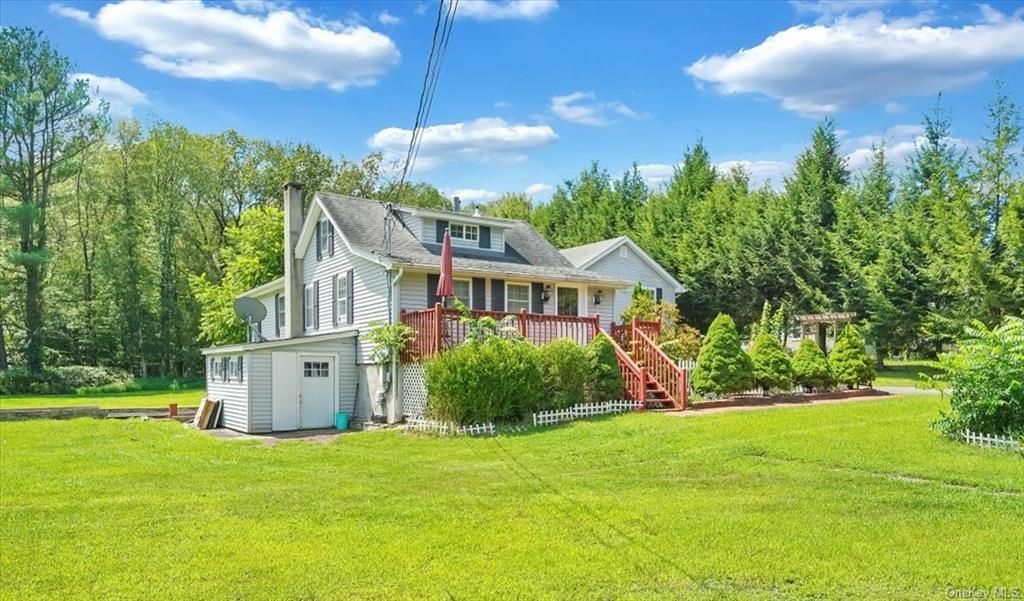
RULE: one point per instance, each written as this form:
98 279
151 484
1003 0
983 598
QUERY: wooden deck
648 374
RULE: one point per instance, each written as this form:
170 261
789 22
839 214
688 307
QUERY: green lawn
856 500
113 400
906 373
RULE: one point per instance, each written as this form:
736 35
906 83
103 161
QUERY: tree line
916 250
122 243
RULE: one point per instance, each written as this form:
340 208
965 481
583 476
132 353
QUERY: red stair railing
662 368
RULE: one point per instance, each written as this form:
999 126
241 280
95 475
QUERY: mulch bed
784 399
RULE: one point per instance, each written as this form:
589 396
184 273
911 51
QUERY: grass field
906 373
844 501
113 400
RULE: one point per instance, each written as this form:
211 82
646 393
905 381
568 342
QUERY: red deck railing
438 328
661 367
621 332
634 377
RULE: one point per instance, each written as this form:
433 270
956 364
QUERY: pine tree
641 306
722 365
849 360
810 367
770 363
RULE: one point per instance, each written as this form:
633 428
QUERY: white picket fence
991 440
583 410
421 424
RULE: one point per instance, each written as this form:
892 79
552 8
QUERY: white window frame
324 250
508 297
308 307
341 299
463 231
469 297
279 313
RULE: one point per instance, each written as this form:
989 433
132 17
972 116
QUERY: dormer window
465 231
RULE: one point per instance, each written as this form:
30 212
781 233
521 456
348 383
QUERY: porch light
546 295
598 297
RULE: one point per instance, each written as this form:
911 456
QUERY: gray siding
267 324
370 292
234 394
633 268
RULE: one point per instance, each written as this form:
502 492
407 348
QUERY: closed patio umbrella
444 283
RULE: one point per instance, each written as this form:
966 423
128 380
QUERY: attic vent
623 252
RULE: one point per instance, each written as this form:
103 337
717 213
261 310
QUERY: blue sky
531 92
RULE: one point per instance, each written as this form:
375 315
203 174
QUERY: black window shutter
334 299
241 369
318 236
536 297
350 277
442 225
657 294
332 239
277 314
432 280
316 305
497 295
479 294
485 236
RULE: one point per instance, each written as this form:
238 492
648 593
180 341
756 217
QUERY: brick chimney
293 217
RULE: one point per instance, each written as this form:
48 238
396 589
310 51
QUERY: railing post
596 326
632 337
643 388
522 322
438 326
682 388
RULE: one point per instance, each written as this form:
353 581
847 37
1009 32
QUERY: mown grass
846 501
110 400
907 372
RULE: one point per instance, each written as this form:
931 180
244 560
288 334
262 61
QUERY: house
624 259
348 264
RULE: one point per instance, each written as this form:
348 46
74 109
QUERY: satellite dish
250 310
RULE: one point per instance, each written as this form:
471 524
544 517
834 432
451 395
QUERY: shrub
605 382
388 340
61 380
849 360
641 306
486 380
810 367
722 366
771 366
567 369
986 380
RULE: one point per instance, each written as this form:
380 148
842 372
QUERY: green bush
771 366
566 366
986 380
722 366
490 380
605 382
60 380
810 367
849 360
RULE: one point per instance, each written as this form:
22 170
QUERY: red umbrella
444 283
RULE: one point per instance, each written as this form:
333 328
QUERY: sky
532 91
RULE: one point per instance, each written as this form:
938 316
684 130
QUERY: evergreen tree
722 365
605 383
641 306
810 367
849 360
770 364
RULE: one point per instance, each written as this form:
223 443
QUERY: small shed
823 328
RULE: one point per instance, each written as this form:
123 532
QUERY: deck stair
664 382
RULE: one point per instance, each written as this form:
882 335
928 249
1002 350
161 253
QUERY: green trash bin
341 420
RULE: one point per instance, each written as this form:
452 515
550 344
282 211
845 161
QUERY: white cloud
488 139
827 68
474 195
900 142
121 97
656 174
585 109
285 47
495 10
388 19
70 12
538 189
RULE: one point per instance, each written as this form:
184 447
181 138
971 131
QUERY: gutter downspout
393 367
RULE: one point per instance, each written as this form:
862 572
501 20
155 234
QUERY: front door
316 394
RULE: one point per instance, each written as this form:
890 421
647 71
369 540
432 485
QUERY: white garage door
316 398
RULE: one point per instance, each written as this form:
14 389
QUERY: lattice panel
414 389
